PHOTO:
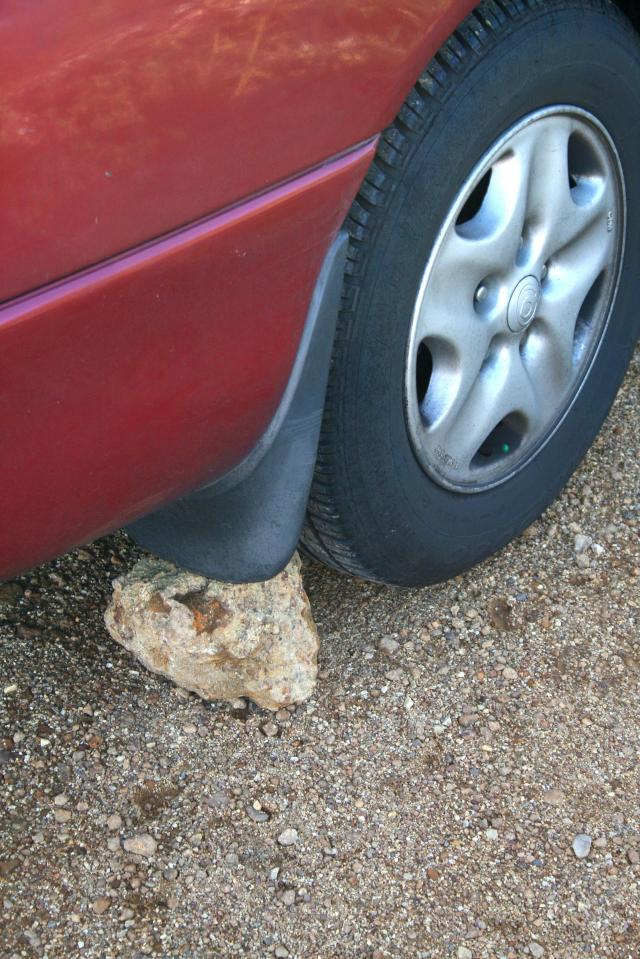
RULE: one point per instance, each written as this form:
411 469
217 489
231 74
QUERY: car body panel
150 375
122 121
173 175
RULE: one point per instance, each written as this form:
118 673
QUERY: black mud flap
245 527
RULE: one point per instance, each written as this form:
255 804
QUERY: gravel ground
464 783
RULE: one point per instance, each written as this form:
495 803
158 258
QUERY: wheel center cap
523 304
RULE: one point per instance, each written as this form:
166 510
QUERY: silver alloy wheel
515 299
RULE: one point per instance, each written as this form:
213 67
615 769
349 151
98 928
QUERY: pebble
582 845
536 950
61 799
269 730
395 675
288 837
289 897
633 856
388 645
509 673
61 815
281 952
257 815
464 953
582 543
114 822
144 845
100 905
555 797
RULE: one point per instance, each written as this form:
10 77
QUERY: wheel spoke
452 380
471 252
551 351
495 232
502 388
446 310
557 214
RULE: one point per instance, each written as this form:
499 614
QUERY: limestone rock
220 640
144 845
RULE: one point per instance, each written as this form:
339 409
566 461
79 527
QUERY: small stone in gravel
582 845
61 799
281 952
288 837
395 675
582 543
218 800
257 815
114 822
269 729
61 815
536 950
555 797
388 645
190 729
464 953
100 905
633 856
143 845
509 673
170 873
289 897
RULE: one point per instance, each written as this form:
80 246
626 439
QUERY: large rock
221 641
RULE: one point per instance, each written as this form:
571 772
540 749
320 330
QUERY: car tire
390 502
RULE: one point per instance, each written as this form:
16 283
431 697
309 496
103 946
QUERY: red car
354 273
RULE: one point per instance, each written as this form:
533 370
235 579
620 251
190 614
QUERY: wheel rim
515 299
